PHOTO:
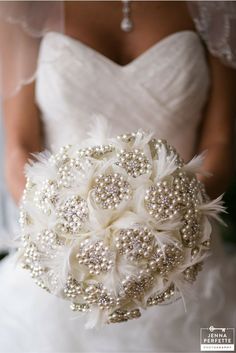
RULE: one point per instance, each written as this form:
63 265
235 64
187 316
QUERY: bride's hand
23 136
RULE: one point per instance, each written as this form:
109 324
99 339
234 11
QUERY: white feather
99 131
165 164
195 165
213 208
40 168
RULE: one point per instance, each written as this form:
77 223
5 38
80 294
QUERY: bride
153 72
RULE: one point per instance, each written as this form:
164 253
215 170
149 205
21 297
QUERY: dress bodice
163 90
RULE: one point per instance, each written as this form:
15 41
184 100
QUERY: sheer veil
23 24
216 23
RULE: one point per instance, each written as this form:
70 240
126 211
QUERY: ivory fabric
164 90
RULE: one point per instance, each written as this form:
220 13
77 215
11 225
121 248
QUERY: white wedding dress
163 90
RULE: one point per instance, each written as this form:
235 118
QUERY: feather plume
165 165
213 208
99 131
195 165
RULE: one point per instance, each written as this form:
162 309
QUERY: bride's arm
23 135
217 129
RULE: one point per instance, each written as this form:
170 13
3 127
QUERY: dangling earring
126 23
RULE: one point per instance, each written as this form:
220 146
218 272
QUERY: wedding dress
164 90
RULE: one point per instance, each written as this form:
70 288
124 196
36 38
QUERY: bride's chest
169 78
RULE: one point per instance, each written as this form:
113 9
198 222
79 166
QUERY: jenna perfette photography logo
217 339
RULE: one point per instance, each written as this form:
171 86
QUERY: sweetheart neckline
133 62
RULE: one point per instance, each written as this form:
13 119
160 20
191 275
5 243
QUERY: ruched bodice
163 90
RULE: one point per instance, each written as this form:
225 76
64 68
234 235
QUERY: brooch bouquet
115 225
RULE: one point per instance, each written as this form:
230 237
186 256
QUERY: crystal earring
126 23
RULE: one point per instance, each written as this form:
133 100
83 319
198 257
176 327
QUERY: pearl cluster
157 144
32 261
31 252
72 288
191 272
97 294
191 230
207 243
121 315
31 258
166 259
96 151
46 197
135 243
50 280
66 176
24 218
168 198
110 190
160 201
127 138
134 162
48 240
135 286
160 298
61 158
178 197
73 214
96 256
62 155
68 167
82 307
29 185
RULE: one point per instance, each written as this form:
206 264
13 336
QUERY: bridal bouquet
115 225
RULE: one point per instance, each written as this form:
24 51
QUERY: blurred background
1 183
9 225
